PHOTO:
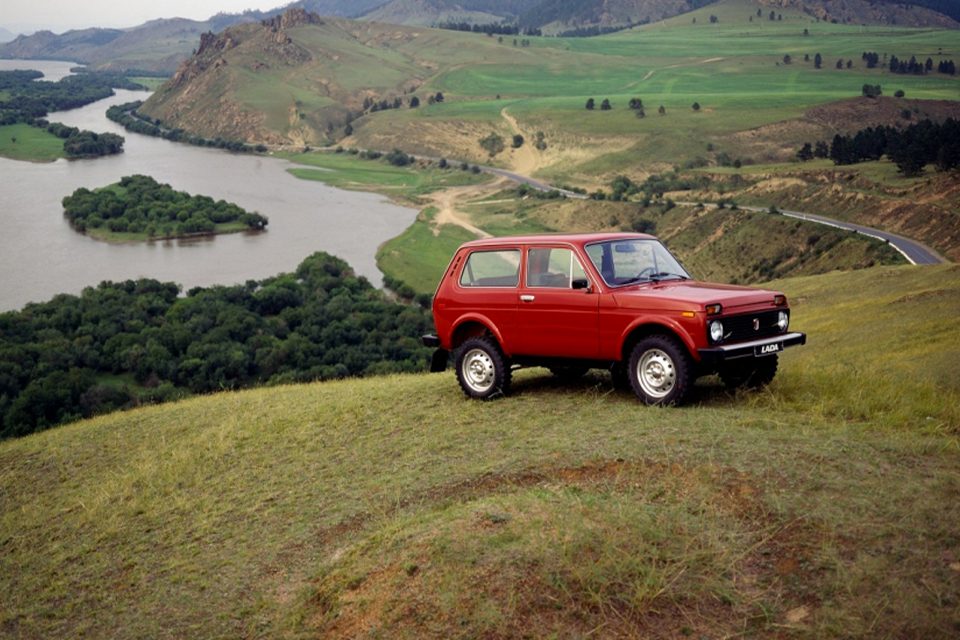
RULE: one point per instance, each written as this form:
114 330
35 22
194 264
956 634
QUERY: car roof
552 238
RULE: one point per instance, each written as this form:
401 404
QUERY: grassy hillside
760 98
720 245
394 507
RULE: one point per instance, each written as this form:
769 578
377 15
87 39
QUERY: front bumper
753 349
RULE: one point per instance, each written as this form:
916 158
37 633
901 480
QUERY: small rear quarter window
497 268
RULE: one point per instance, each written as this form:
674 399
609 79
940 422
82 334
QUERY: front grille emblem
756 324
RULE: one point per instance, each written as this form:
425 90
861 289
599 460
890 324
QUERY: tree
439 96
517 141
492 144
590 104
899 93
348 130
805 153
787 59
817 61
635 103
662 110
605 105
414 102
821 150
871 90
840 64
695 106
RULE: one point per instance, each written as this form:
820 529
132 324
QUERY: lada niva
618 301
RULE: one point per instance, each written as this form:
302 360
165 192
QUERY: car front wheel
659 371
482 369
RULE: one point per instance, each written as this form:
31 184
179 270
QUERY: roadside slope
395 504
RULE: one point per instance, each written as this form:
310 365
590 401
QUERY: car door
558 310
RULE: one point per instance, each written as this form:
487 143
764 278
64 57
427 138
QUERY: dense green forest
79 143
122 344
24 96
27 99
141 205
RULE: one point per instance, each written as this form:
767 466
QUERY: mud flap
439 360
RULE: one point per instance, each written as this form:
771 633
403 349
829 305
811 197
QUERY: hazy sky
61 15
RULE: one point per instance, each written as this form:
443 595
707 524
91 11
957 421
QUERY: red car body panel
591 323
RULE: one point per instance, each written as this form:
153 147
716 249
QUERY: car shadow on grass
707 391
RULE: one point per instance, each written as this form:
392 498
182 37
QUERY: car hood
691 292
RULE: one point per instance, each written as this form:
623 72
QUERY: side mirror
580 283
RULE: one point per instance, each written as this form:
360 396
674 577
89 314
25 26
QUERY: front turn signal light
713 309
779 300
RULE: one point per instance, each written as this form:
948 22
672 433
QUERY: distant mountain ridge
161 45
155 46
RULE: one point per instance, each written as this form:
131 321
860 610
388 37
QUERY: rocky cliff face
206 95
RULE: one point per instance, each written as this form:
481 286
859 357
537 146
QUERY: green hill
394 507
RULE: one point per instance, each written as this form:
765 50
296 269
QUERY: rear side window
492 269
553 267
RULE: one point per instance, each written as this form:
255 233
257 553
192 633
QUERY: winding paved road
913 250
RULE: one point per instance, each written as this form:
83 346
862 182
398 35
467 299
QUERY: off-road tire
482 370
660 371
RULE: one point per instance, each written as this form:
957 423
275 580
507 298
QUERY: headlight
716 331
783 320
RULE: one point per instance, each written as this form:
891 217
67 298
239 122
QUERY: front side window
492 269
622 262
553 267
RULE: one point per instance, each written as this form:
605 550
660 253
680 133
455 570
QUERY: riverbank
41 255
118 237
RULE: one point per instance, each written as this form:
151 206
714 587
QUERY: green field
348 171
418 256
23 142
395 507
734 69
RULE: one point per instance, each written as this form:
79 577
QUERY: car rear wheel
482 369
659 371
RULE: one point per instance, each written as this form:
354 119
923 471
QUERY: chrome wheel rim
478 370
656 373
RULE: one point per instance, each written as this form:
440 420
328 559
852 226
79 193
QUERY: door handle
526 297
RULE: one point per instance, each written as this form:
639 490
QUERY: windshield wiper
653 277
663 275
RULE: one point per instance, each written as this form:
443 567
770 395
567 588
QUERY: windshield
622 262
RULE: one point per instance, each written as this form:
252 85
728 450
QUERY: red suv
618 301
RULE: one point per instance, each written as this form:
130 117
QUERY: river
41 255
